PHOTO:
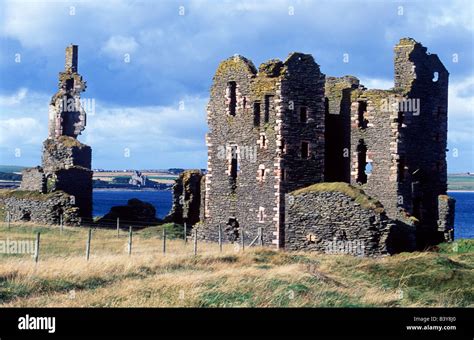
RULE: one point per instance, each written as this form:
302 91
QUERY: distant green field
461 183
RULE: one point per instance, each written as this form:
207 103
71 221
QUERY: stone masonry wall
446 209
333 221
33 179
186 199
64 152
256 126
30 206
338 93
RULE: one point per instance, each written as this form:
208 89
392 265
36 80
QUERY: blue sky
154 105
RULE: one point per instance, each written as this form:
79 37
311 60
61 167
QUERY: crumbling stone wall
338 218
32 206
446 209
338 96
66 162
64 152
404 132
186 198
33 179
258 122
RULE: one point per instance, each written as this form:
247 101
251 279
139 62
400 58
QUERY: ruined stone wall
66 162
302 121
64 152
338 93
446 209
405 133
30 206
336 218
377 137
186 199
33 179
250 139
263 133
423 78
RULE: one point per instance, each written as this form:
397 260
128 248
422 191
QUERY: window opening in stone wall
261 214
256 114
303 114
361 162
435 77
304 150
400 119
401 169
232 88
362 122
267 108
282 145
233 167
264 141
368 168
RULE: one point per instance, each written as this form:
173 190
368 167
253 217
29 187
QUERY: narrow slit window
233 167
362 121
304 150
232 88
256 114
303 114
401 169
361 162
267 108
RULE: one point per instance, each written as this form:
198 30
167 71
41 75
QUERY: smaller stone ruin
186 198
62 187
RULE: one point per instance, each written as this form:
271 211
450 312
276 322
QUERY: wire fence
94 241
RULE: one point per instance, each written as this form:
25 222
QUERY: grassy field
254 277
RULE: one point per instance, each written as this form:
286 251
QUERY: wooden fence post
185 233
61 224
242 238
164 241
88 246
195 241
260 236
118 227
130 232
37 247
220 238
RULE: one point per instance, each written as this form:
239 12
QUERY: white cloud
376 83
15 132
14 99
453 13
118 45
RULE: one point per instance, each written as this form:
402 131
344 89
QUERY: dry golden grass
255 277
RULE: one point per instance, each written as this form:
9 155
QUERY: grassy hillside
255 277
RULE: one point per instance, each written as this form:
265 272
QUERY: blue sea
105 199
464 218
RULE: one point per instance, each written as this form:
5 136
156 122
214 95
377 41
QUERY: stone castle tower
266 137
287 126
66 162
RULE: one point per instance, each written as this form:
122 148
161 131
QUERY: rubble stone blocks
66 162
306 128
345 221
186 199
26 206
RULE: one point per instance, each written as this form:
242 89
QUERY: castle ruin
276 132
66 162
